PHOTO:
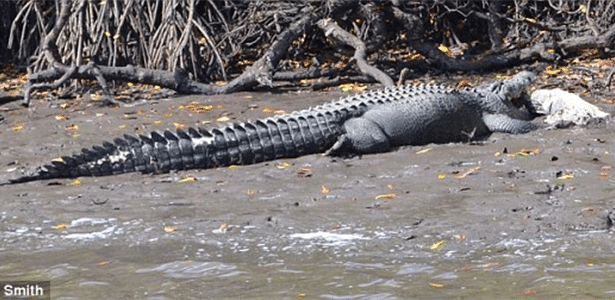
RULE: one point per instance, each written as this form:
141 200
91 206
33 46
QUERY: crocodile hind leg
361 136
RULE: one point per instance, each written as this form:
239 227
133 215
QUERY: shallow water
398 225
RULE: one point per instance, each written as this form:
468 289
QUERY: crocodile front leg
504 123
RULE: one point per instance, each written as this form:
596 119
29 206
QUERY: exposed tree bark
604 40
496 25
439 60
262 70
304 74
177 80
260 73
186 45
332 29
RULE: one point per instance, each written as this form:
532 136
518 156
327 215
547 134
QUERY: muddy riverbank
523 216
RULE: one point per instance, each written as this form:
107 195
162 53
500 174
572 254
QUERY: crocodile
368 122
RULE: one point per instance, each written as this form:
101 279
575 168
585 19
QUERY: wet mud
514 216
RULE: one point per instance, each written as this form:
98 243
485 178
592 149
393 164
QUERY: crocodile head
516 91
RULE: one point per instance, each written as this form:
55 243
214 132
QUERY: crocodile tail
235 144
268 139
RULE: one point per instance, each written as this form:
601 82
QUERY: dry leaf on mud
412 57
526 152
605 171
76 182
71 127
324 189
566 176
490 265
283 165
590 263
103 263
466 173
386 196
437 245
95 97
61 118
464 84
352 87
18 128
423 151
304 172
61 226
169 229
447 51
188 178
436 285
441 176
551 70
195 107
308 82
528 292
